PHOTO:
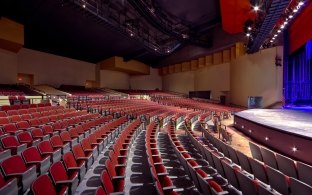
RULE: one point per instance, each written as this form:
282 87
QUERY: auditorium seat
74 134
269 157
32 156
100 191
11 129
304 173
65 136
278 181
4 121
74 165
43 185
12 112
45 148
4 154
244 161
15 118
109 185
299 188
96 142
8 186
79 154
60 177
26 138
14 167
22 111
26 117
286 165
259 170
255 151
86 146
57 142
24 125
48 130
11 142
37 133
247 184
230 174
3 114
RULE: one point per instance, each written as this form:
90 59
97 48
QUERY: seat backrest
31 154
34 122
47 129
26 116
106 182
65 136
23 124
24 137
300 188
248 185
13 164
36 132
23 111
56 141
58 172
9 128
304 173
69 160
100 191
15 118
286 166
9 141
244 161
278 181
3 114
12 112
43 185
258 169
85 144
269 157
110 168
230 174
73 132
45 146
77 151
255 151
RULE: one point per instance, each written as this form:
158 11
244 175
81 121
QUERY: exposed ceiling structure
145 30
93 30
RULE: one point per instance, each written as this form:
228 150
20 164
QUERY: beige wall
114 79
213 78
8 67
147 82
181 82
54 70
257 75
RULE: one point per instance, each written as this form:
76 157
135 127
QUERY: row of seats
263 178
205 177
113 176
162 181
59 138
23 106
289 167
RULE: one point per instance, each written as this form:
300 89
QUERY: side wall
114 79
257 75
54 70
147 82
8 67
182 82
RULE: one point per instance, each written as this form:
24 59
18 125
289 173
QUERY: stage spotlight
242 126
248 34
249 28
256 8
250 131
301 3
294 149
266 138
